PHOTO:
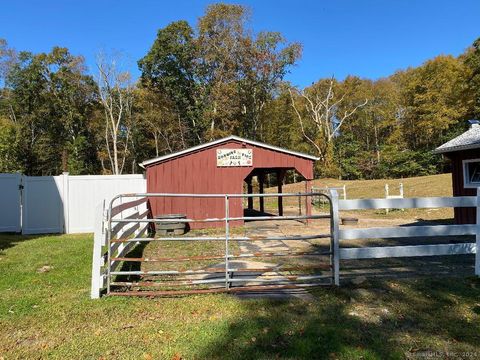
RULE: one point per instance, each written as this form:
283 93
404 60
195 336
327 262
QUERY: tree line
216 78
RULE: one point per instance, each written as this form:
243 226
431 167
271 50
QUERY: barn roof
220 141
470 139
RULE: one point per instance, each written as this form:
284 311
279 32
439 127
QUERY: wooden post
249 191
261 180
477 237
280 177
308 199
335 240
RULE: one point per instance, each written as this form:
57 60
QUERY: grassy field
45 312
433 185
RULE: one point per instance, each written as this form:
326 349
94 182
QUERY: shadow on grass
9 240
135 252
392 319
423 222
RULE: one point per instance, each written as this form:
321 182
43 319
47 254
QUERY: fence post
308 201
21 187
98 243
477 237
386 196
227 235
335 244
66 225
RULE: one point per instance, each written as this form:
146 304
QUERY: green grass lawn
49 315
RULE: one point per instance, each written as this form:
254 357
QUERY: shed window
471 172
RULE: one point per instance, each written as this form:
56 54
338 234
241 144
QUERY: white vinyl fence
85 193
10 202
43 204
58 204
341 253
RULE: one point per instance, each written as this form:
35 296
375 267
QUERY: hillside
422 186
433 185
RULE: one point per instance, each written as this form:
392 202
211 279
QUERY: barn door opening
273 180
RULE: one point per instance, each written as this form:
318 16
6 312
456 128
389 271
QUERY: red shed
464 153
220 167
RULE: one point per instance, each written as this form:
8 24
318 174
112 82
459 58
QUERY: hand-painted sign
234 157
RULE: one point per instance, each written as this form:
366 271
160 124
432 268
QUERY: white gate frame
113 241
398 232
101 252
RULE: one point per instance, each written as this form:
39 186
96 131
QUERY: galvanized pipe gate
123 233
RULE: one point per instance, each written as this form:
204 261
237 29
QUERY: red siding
197 173
462 215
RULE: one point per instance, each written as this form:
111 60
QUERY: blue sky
368 38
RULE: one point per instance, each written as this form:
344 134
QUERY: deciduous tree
116 93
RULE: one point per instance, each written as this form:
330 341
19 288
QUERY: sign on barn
234 157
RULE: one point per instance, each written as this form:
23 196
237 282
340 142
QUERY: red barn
220 167
464 153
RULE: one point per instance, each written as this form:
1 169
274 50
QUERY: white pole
98 243
335 241
386 196
64 197
21 200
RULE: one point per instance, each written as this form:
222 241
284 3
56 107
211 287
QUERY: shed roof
470 139
216 142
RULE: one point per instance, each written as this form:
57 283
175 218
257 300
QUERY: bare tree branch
322 114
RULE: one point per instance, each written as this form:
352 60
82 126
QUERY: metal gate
214 260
